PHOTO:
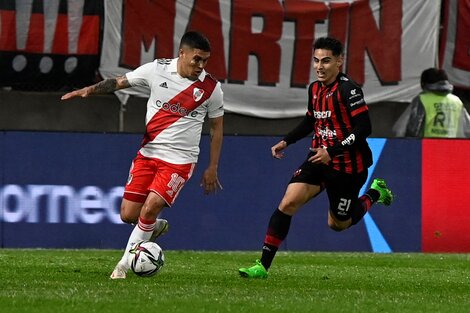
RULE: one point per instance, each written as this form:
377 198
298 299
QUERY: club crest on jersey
314 99
197 94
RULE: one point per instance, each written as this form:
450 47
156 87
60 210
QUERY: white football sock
142 231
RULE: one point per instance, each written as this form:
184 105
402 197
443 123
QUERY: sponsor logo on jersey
354 94
349 141
197 94
357 102
327 133
175 108
321 114
163 85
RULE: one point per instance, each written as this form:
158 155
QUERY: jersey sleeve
306 125
310 98
141 75
216 102
353 98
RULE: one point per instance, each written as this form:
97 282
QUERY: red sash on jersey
188 99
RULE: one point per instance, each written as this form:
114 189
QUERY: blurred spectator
435 112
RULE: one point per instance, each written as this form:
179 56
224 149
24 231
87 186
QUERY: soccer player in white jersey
182 93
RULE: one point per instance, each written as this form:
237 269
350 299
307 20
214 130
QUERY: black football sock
277 231
373 194
363 205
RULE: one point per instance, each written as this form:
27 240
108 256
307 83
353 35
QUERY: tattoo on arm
105 86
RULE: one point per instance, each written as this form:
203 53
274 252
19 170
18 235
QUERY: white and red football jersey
176 110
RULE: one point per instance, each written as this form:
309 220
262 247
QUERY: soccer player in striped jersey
339 157
182 93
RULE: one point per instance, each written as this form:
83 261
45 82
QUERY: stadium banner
46 45
262 50
455 42
63 190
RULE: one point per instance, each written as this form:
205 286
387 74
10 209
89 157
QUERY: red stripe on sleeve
359 110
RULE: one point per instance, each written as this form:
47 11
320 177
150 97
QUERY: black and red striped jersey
341 123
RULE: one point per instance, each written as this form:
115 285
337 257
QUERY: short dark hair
195 40
329 43
433 75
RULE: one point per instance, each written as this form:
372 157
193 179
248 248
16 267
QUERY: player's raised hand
276 150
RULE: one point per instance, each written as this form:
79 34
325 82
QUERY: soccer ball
146 258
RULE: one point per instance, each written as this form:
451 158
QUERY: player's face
326 65
192 62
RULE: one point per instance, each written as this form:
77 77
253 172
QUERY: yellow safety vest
443 113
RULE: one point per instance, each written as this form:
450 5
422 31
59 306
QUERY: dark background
44 111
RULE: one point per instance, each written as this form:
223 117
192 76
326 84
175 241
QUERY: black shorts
342 189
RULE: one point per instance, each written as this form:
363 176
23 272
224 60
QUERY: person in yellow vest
435 112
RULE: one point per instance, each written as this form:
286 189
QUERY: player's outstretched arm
105 86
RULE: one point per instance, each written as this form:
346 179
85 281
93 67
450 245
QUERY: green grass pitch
78 281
